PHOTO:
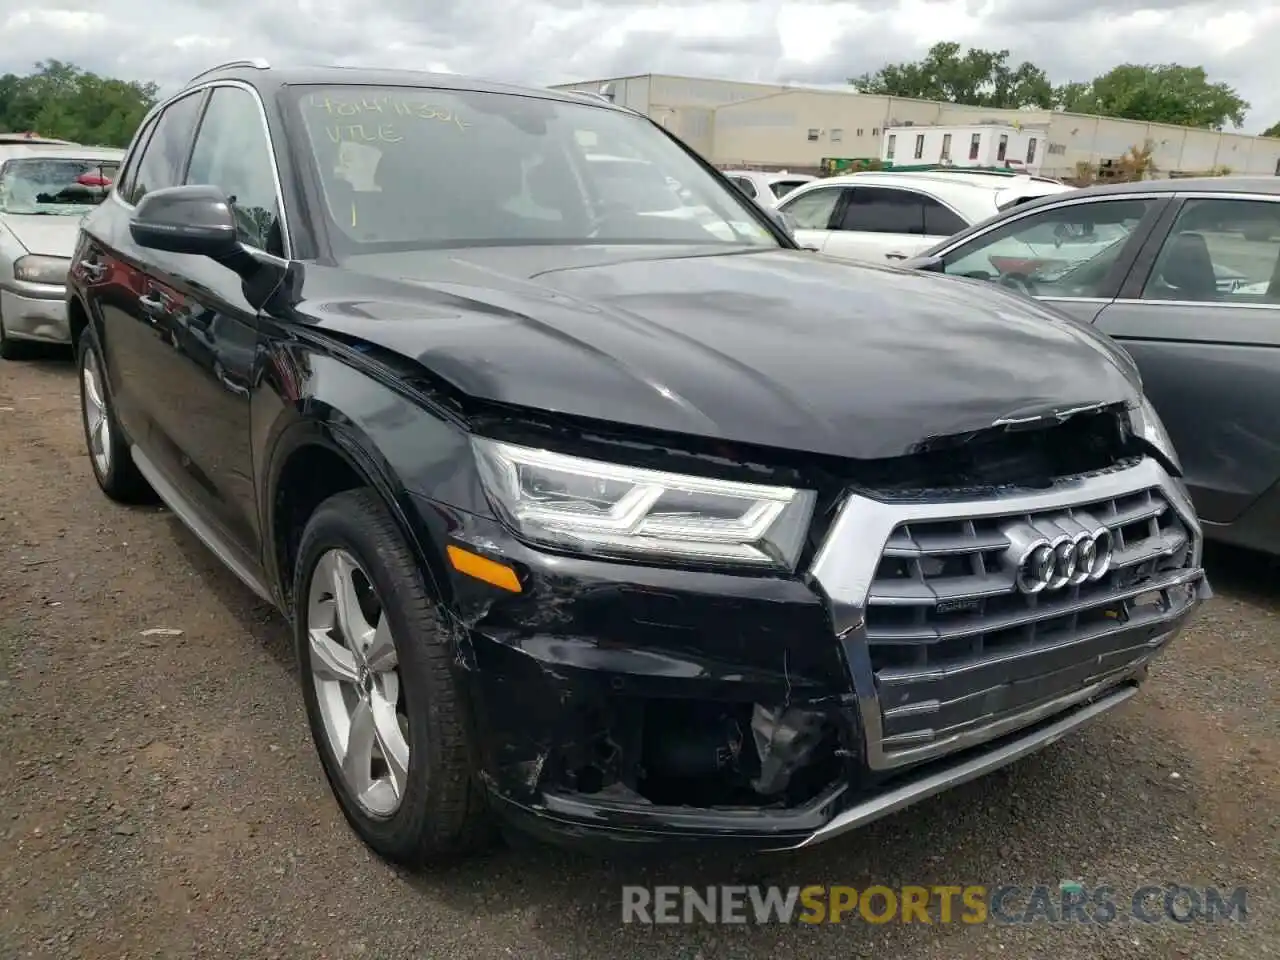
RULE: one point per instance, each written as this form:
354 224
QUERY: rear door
814 211
879 224
1200 313
203 378
1073 254
115 270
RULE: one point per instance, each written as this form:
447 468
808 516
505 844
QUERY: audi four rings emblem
1066 551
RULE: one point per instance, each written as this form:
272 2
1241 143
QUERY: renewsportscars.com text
971 904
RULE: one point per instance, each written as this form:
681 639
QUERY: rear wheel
109 455
385 709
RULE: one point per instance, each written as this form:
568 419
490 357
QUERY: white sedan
883 216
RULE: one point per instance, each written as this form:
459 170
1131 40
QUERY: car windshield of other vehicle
56 186
414 168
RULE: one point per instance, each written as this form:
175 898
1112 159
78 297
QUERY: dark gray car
1185 274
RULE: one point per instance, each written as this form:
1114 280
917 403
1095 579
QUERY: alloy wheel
357 680
97 423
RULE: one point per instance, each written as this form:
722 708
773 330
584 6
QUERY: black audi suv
603 513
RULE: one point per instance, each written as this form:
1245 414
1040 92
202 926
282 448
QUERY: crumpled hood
782 348
50 236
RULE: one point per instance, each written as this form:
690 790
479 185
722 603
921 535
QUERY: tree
61 100
982 78
1157 93
1272 131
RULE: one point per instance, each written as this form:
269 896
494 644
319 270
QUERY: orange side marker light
482 568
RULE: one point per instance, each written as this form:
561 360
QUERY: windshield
57 186
408 168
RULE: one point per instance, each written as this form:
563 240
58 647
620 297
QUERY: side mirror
927 264
190 219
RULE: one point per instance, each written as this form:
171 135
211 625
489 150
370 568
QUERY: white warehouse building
776 126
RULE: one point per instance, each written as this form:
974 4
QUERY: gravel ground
160 795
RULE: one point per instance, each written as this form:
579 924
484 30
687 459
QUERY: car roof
771 176
982 180
1227 186
259 74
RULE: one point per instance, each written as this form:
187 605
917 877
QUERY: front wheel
385 709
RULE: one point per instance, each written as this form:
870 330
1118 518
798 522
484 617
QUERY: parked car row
599 508
45 188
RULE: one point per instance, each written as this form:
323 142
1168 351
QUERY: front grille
956 646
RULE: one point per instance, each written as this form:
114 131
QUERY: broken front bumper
638 704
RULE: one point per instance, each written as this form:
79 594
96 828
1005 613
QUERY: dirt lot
160 797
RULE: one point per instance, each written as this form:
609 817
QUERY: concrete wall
798 128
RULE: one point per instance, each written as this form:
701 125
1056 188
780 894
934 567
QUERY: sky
553 41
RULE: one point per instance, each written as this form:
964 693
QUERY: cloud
551 41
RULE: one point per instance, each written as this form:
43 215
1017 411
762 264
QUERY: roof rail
257 63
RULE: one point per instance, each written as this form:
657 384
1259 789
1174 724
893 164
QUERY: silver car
45 190
1185 275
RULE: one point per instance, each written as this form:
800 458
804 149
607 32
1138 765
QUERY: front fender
398 447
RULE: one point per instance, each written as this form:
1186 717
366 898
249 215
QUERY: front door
1073 255
1202 320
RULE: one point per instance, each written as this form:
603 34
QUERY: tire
438 811
112 464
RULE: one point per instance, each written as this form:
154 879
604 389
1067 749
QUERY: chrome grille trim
867 531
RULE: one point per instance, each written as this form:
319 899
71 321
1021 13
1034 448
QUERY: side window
938 220
882 210
1224 251
166 152
128 176
781 188
745 185
232 153
1065 251
812 210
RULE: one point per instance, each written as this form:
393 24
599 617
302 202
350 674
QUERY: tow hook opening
670 752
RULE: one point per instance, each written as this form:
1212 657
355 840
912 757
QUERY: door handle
895 256
94 271
153 304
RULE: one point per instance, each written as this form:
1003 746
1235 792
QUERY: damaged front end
681 705
893 654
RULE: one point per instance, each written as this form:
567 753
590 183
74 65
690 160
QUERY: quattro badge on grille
1049 554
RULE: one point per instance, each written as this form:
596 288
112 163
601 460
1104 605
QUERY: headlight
37 269
1148 425
604 509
